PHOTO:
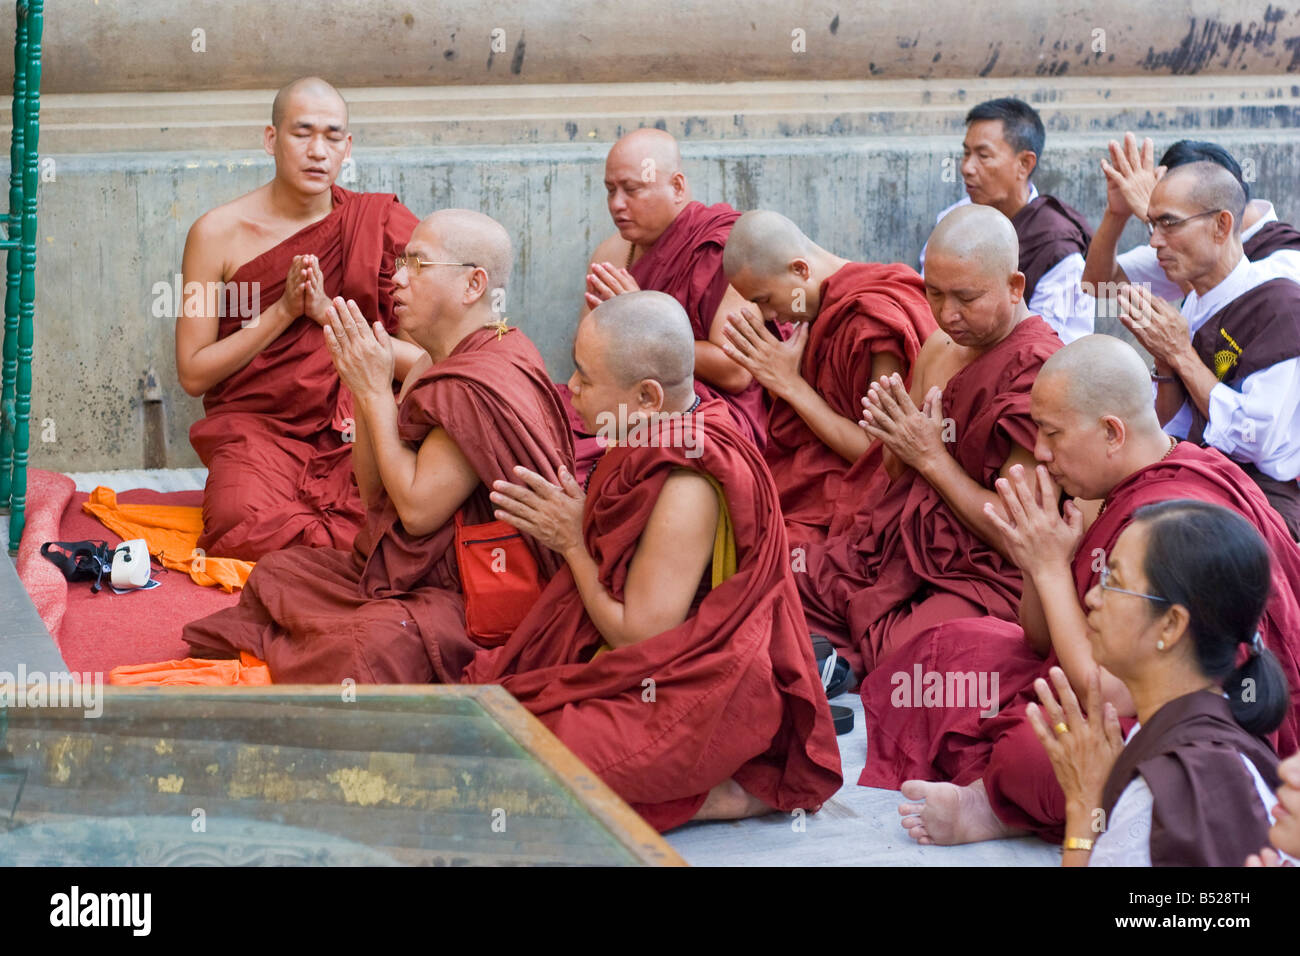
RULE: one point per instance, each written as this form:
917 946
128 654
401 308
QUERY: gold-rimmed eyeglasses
412 264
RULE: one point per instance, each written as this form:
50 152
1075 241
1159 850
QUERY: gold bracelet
1077 843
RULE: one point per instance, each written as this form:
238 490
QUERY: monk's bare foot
729 801
946 814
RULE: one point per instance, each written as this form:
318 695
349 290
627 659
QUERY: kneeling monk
274 432
1099 440
670 654
912 546
856 323
391 610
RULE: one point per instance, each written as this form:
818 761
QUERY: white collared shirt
1059 297
1258 423
1141 266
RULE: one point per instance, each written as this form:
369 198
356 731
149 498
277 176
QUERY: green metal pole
27 287
13 275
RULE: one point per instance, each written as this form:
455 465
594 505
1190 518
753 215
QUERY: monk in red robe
855 323
669 653
391 609
259 274
912 546
669 243
1099 440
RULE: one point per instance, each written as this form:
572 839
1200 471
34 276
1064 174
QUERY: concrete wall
864 164
145 45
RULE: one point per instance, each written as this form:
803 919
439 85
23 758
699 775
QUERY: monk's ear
801 268
650 395
478 284
678 182
1017 284
1116 431
268 139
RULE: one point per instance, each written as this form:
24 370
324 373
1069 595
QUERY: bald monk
669 653
1227 362
1099 441
275 435
912 545
391 610
855 323
669 243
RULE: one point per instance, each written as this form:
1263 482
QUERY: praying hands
363 356
773 363
550 513
912 435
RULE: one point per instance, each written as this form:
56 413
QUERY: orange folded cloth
172 534
248 671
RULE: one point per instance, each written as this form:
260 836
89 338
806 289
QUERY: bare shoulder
220 234
612 249
686 499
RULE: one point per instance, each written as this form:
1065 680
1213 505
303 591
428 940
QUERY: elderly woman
1173 617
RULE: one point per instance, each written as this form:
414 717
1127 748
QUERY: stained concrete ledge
424 117
113 227
240 44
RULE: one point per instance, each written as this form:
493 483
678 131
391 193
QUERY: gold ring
1060 728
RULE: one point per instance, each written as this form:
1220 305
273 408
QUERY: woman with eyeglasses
1174 617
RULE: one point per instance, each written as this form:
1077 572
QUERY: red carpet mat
100 631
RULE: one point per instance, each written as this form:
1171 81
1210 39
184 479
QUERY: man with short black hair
1004 140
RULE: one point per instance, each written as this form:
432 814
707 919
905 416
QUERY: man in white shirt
1227 363
1131 174
1004 139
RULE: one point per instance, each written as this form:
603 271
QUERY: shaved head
655 145
646 335
764 243
979 236
312 85
1210 186
1095 415
468 236
1099 376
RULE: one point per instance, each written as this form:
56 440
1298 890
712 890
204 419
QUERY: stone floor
858 826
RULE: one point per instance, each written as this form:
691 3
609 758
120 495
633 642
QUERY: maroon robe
1257 329
391 610
1049 231
1205 807
865 309
279 470
903 560
1270 238
958 744
734 691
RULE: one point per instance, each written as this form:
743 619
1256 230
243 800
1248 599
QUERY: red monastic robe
732 692
950 743
390 610
903 560
866 308
279 470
